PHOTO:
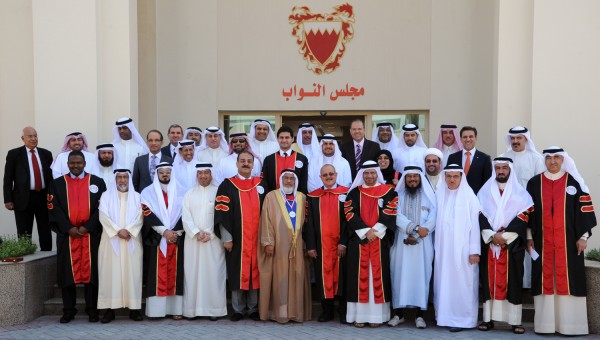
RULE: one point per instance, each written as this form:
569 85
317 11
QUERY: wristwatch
416 229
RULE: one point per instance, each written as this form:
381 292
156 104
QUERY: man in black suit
285 158
360 146
175 134
144 166
476 164
27 175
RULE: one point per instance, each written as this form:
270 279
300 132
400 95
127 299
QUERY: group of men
269 216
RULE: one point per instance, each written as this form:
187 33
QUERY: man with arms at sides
326 241
75 141
174 134
560 226
237 213
384 136
285 158
329 154
411 256
433 166
184 166
505 208
448 141
457 247
284 276
370 210
476 164
106 163
120 256
73 201
195 134
27 177
411 148
204 256
145 165
163 245
128 143
309 144
360 149
213 147
262 139
227 166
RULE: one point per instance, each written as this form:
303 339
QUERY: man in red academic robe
325 237
285 158
560 226
237 214
73 201
370 210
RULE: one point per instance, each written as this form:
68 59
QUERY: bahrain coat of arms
322 37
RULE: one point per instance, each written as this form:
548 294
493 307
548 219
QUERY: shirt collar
472 151
82 175
281 152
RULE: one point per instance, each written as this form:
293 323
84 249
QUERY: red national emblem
322 37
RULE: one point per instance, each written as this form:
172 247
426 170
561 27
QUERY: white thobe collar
554 177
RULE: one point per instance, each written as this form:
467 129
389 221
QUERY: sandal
374 325
177 317
486 326
359 324
518 329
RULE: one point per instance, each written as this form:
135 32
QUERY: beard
123 187
106 163
413 191
287 190
502 180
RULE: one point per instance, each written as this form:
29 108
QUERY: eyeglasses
233 141
328 174
431 161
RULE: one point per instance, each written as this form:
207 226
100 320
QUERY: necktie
467 162
358 154
37 174
152 167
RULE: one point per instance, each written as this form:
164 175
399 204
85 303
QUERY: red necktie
37 174
467 162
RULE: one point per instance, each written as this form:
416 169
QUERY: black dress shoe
324 317
255 316
135 315
213 318
236 317
66 318
108 316
93 318
455 329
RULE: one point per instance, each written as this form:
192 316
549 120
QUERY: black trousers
70 299
38 208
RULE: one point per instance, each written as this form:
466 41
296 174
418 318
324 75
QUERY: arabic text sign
319 90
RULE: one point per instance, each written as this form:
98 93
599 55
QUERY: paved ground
48 327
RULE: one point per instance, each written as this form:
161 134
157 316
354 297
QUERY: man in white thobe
195 134
309 143
262 140
204 255
457 249
128 142
120 252
411 256
227 166
386 137
448 141
328 154
75 141
184 167
213 147
106 163
411 148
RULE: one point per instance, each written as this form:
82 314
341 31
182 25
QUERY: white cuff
362 232
159 229
529 236
487 235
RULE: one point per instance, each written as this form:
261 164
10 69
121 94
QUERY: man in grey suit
144 166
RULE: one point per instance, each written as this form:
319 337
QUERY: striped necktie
358 154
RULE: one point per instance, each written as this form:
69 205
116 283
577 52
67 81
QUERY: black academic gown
516 254
579 218
236 206
271 172
58 208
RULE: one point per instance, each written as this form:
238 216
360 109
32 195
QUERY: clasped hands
203 236
171 236
78 232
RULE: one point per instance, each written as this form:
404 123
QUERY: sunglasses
238 141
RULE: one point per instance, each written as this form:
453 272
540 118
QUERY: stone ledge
592 277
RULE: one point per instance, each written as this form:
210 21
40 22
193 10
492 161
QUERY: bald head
29 137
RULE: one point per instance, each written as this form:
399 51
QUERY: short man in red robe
73 201
237 215
326 241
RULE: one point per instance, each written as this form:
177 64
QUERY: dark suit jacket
166 150
369 153
480 170
270 175
141 172
16 175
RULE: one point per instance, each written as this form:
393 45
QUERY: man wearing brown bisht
284 278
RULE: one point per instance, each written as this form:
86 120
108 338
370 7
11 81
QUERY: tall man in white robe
309 143
411 148
386 137
75 141
227 166
262 139
184 166
411 256
120 253
329 153
106 163
433 166
195 134
457 248
128 142
505 208
204 255
448 141
213 147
